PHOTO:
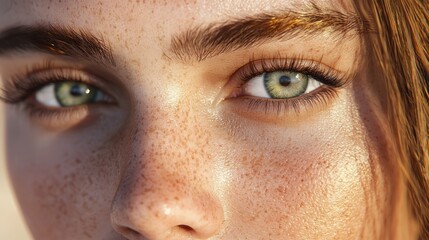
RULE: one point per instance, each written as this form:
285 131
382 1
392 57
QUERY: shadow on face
195 121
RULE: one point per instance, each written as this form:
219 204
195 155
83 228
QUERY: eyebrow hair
56 40
200 43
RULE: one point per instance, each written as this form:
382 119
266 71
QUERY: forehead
134 10
138 23
141 32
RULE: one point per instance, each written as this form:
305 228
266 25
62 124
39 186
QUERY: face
197 120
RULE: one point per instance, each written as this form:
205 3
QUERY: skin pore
179 148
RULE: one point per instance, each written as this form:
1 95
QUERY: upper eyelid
20 85
298 64
42 76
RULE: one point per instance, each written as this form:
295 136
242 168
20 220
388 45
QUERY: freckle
57 167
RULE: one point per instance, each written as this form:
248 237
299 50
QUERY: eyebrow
200 43
56 40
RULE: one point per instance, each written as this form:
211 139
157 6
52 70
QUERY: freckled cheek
61 180
296 187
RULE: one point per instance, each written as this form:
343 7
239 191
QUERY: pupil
284 81
76 91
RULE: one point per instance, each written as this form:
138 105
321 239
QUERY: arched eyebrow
200 43
56 40
195 44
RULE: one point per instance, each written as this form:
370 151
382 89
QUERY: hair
400 44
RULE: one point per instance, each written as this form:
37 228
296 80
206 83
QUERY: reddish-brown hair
400 42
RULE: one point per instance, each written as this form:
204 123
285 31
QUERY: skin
172 161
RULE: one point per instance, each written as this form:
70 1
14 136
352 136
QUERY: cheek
64 179
308 182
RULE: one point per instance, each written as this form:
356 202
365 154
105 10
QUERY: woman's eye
280 85
69 94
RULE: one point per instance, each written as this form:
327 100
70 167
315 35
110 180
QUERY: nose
164 207
160 199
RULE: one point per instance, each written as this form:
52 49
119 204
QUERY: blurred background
11 224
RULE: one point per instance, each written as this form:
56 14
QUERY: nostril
128 232
186 228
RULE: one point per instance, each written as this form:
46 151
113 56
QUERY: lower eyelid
57 119
54 117
272 110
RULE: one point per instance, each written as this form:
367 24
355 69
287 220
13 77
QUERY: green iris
69 94
285 84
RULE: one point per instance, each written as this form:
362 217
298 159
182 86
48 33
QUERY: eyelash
22 86
332 80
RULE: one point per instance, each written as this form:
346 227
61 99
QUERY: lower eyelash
60 118
37 111
284 107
